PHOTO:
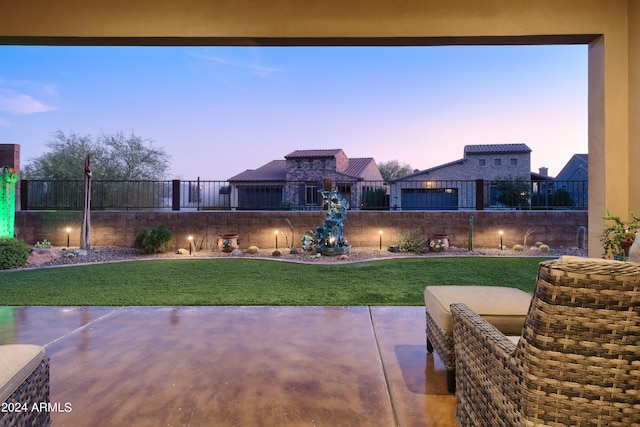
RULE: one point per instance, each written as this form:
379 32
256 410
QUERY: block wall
361 228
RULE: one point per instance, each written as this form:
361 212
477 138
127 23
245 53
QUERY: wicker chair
24 386
577 362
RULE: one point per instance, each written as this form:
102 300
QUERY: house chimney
544 171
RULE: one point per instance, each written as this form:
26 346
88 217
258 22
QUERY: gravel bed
61 256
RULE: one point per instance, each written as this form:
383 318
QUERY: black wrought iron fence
299 195
123 195
131 195
520 194
40 194
204 195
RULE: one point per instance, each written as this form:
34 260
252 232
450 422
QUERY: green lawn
259 282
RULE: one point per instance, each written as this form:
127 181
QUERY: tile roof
428 171
496 148
313 153
357 166
275 170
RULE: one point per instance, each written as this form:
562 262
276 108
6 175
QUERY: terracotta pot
228 242
438 242
625 244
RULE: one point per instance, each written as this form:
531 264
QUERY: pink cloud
18 103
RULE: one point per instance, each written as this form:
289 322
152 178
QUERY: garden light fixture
68 230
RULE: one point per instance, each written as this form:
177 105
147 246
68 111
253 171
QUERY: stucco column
634 105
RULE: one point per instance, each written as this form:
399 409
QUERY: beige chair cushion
505 308
584 259
17 362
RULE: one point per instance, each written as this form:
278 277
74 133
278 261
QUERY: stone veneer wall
555 228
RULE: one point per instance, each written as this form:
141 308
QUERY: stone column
10 156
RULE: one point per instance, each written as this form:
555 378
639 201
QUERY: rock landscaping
62 256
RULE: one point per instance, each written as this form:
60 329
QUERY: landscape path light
501 232
276 233
380 232
190 243
68 230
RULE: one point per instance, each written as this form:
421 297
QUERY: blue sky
220 110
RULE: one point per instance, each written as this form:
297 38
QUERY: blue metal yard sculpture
328 236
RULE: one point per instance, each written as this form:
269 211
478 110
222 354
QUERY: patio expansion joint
83 327
394 406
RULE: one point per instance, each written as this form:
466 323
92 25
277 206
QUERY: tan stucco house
453 185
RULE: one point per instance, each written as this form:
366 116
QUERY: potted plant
618 235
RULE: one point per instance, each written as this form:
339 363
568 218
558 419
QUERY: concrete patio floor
238 366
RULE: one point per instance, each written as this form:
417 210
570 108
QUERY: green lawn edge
258 282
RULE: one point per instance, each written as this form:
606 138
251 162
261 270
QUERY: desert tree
394 169
113 157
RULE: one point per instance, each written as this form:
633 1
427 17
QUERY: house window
299 164
482 162
323 164
311 195
498 162
513 162
311 164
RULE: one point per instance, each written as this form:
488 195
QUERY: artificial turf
258 282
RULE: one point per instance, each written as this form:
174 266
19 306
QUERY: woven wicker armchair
24 386
577 362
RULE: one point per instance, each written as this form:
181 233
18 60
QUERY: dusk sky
220 110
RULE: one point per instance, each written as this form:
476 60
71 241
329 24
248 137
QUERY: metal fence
133 195
305 195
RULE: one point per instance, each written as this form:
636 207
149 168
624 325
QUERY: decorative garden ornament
85 232
328 237
8 179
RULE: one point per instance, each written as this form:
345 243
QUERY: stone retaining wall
361 229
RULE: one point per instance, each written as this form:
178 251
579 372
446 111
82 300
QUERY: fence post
24 195
479 194
176 195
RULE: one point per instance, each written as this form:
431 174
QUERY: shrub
518 248
538 244
544 248
375 198
285 206
408 241
252 250
14 253
276 253
44 245
153 240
